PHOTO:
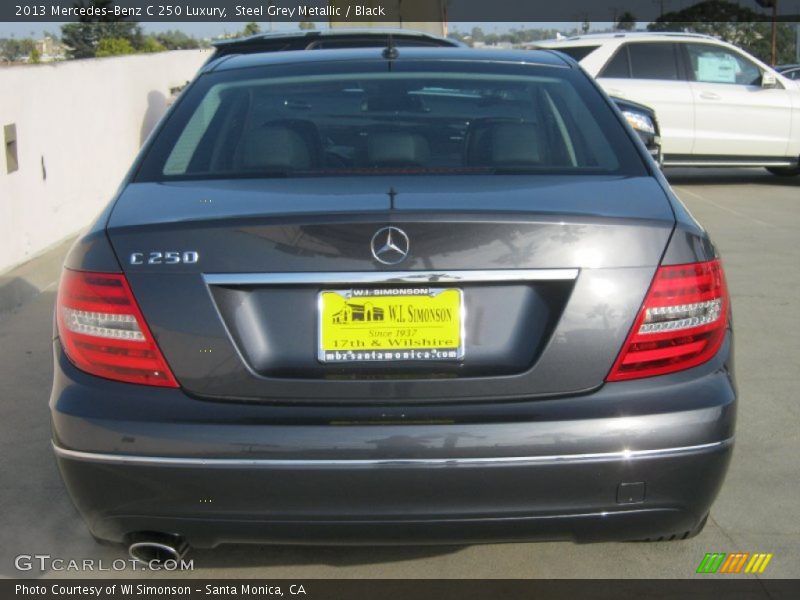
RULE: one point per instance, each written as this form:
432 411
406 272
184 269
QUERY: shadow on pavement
15 291
251 555
682 176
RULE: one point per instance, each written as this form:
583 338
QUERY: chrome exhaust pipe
158 548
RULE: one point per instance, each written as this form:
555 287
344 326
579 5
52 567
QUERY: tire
683 535
785 171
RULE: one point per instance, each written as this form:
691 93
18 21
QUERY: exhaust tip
159 548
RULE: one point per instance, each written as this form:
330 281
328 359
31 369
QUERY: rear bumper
639 459
580 498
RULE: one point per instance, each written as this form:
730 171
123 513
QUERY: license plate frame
438 300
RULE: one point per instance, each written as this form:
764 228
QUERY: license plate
391 325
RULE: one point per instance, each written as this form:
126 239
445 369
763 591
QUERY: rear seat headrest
514 144
397 148
274 147
506 142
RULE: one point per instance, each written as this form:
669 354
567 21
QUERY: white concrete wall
83 121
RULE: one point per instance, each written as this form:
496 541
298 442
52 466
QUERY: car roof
532 57
633 35
329 38
334 34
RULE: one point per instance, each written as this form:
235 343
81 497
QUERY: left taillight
103 331
681 324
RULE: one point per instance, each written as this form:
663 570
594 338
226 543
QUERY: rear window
260 122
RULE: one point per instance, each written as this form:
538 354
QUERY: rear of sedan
356 297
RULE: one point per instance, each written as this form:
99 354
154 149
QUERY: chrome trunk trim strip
389 277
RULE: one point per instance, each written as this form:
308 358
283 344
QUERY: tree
176 40
455 34
515 36
13 50
626 22
113 47
732 23
477 34
306 25
151 44
35 56
82 38
251 29
773 4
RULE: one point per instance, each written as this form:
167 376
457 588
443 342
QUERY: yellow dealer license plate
391 324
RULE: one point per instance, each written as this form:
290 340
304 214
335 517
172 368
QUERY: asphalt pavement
753 217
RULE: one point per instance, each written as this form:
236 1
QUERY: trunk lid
551 270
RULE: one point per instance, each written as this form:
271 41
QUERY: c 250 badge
169 257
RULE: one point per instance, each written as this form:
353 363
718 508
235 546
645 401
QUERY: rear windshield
258 123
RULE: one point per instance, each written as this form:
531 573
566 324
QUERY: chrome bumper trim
733 164
165 461
389 277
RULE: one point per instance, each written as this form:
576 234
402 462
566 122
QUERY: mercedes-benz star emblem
390 245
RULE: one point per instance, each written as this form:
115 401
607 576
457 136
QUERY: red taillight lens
103 331
681 324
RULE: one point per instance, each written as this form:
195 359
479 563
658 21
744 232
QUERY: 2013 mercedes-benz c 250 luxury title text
392 295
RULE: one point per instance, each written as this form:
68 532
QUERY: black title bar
387 12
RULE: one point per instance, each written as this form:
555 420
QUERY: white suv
717 105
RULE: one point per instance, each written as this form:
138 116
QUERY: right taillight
681 324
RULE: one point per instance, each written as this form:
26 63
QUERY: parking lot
753 217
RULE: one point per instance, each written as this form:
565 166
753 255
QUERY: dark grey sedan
398 295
